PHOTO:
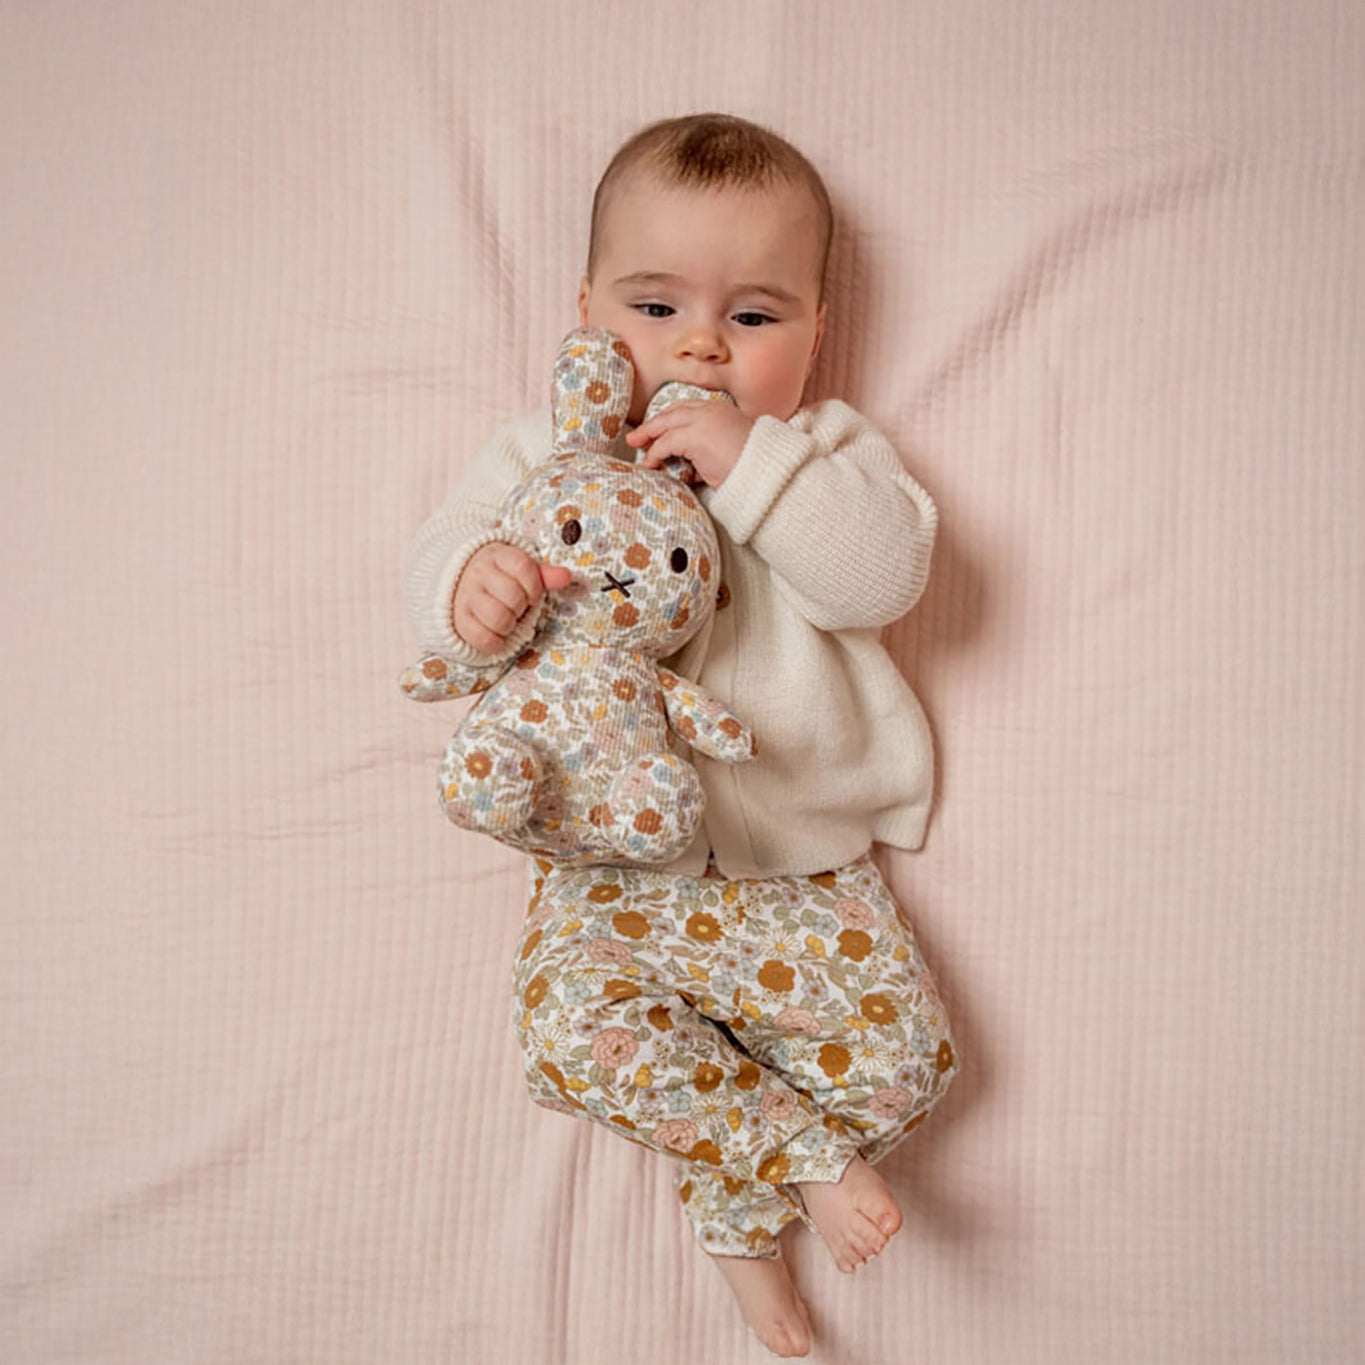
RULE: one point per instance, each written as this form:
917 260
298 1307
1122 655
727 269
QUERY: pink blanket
271 272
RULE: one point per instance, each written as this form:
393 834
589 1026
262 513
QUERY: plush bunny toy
567 754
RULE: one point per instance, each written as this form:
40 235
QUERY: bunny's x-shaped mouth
617 584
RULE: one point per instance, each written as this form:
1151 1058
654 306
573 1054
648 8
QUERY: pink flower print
794 1020
855 914
608 952
624 519
891 1102
679 1135
780 1105
614 1047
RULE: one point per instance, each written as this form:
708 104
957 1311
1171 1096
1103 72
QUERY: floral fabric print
762 1032
577 748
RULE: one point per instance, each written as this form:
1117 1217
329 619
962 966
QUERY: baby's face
717 287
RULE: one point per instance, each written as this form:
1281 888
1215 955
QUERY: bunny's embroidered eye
570 532
678 561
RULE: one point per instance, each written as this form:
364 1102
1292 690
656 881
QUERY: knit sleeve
824 500
464 523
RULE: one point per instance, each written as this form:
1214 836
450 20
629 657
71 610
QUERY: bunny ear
590 396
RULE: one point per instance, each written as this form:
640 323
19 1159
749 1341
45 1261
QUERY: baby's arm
452 539
824 500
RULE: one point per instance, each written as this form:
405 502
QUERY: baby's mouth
613 583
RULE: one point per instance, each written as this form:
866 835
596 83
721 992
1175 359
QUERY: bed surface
270 275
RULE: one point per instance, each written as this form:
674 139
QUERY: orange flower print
534 712
707 1077
685 1189
684 726
638 556
677 1135
629 497
649 821
776 976
945 1059
614 1047
620 990
604 893
623 689
660 1018
598 391
826 881
879 1009
834 1060
855 944
535 991
625 616
630 924
706 1151
703 927
434 669
775 1169
478 764
748 1076
529 946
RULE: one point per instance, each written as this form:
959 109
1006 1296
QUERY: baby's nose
703 342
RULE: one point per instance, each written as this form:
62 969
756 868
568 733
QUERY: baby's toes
869 1237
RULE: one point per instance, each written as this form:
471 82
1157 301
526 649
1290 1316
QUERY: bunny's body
571 752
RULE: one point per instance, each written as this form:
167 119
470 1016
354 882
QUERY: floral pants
763 1032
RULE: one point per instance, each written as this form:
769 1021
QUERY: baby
757 1009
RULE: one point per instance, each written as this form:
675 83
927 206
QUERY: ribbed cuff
771 455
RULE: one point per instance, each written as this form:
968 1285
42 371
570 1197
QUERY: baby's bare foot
856 1217
770 1303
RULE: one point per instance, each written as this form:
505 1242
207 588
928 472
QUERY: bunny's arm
434 677
704 721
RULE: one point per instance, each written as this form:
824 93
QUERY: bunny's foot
655 806
488 781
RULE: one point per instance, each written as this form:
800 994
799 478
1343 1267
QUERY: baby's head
707 256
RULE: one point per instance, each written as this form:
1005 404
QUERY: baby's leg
845 1010
611 1030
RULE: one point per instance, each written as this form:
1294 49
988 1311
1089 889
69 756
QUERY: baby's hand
709 435
498 586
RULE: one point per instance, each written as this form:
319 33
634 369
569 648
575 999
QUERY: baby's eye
751 319
654 310
678 560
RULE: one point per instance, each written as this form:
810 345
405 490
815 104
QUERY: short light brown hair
711 151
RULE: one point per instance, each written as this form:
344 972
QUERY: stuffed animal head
640 546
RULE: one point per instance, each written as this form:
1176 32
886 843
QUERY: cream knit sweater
825 539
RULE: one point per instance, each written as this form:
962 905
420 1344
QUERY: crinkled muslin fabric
272 274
